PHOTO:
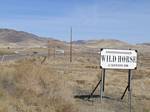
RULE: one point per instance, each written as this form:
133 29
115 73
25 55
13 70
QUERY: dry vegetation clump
29 87
6 52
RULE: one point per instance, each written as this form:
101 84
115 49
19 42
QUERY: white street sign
118 59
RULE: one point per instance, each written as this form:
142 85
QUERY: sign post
129 89
101 86
117 59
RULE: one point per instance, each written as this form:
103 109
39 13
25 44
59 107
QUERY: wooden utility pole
48 46
71 44
54 52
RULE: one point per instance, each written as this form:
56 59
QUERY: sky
126 20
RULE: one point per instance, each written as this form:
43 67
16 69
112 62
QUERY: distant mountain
13 38
148 44
103 43
80 42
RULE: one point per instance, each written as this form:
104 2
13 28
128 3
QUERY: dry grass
6 51
28 87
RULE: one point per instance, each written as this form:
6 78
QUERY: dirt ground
56 85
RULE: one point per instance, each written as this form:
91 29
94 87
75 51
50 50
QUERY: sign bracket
124 93
94 89
101 83
128 86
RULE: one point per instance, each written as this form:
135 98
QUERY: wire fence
94 58
86 57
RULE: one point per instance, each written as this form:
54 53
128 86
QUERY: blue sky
127 20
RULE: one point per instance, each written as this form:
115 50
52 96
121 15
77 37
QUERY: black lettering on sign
108 58
103 57
119 59
114 59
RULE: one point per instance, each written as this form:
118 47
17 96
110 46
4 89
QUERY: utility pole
54 52
48 46
71 44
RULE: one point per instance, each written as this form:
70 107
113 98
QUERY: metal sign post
129 89
117 59
101 87
103 80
